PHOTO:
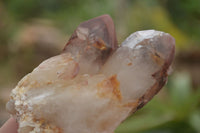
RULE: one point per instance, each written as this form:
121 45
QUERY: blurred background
34 30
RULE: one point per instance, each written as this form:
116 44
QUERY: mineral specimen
93 85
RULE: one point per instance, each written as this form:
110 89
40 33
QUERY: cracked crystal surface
93 85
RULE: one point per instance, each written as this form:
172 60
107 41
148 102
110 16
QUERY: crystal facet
93 85
92 43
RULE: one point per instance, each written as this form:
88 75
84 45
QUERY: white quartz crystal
61 96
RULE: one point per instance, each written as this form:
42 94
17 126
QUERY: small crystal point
97 30
92 42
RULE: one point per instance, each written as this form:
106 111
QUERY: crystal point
96 30
93 85
92 42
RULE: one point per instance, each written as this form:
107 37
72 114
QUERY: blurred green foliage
186 15
179 18
176 108
66 14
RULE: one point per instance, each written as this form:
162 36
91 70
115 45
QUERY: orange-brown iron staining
110 88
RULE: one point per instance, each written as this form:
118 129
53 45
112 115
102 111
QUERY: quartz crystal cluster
94 84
